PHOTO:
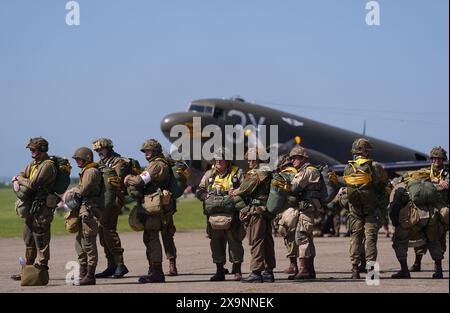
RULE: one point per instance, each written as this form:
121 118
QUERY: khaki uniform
306 185
158 173
38 176
213 182
89 189
107 230
289 238
365 217
255 188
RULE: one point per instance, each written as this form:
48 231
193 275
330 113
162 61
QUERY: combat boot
220 273
355 272
363 266
16 277
172 268
121 269
404 272
89 279
293 267
237 271
156 275
109 271
268 277
305 271
417 266
438 270
254 277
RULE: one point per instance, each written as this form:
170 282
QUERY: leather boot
237 271
355 271
172 268
362 267
109 271
254 277
89 279
220 274
293 267
438 270
305 271
417 266
121 269
404 272
156 275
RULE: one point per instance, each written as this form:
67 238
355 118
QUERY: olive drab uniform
153 179
306 185
107 230
211 184
38 177
255 189
89 188
366 183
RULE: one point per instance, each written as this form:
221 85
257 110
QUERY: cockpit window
197 108
201 108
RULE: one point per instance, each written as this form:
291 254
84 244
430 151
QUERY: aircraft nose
171 120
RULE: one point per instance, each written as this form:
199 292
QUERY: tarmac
195 267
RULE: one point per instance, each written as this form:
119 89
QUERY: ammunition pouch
23 208
153 203
220 221
72 222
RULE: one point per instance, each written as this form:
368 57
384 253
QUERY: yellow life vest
226 182
359 177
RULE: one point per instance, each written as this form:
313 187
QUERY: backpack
358 179
178 176
62 180
280 190
134 168
329 185
423 192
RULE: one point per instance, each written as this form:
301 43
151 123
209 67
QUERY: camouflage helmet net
438 152
102 143
152 144
361 146
298 151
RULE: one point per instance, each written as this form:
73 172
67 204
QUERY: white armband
145 177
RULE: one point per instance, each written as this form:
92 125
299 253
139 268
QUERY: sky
129 63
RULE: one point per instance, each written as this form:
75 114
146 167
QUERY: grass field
189 216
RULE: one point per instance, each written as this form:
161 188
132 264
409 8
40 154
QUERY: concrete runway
195 268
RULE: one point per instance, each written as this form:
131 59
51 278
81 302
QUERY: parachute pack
423 192
178 177
358 179
64 168
329 185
